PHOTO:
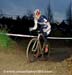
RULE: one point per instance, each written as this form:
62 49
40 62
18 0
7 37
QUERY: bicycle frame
38 44
35 45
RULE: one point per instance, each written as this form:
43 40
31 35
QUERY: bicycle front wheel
32 48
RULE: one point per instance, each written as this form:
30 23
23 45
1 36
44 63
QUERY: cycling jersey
45 26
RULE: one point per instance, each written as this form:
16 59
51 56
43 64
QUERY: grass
4 39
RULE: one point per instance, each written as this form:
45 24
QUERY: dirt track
13 60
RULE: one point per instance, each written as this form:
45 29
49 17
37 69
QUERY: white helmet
37 12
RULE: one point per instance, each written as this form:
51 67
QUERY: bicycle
36 44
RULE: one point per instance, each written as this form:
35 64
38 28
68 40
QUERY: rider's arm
47 23
35 25
49 26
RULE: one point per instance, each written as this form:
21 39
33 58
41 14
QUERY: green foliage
4 39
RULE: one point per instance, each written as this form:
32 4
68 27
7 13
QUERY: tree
18 18
69 20
69 14
30 14
49 13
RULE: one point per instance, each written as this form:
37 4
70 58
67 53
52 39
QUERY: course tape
20 35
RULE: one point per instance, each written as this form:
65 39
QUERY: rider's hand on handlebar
30 29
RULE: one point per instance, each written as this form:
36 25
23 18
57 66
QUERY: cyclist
45 27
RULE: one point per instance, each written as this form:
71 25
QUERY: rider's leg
46 43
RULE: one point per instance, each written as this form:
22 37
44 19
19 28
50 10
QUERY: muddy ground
13 60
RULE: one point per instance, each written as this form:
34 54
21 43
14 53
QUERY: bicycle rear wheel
32 49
